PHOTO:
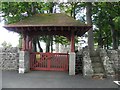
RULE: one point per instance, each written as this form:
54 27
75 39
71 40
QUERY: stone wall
109 58
114 56
9 58
107 63
87 64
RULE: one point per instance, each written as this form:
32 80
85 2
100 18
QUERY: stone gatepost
87 63
24 64
72 63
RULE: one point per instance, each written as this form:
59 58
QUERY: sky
9 37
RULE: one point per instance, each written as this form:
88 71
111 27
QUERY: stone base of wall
115 59
24 61
87 65
109 58
9 58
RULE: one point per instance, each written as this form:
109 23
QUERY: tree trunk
114 38
33 8
100 40
107 42
51 43
89 22
34 45
47 44
51 8
74 12
113 33
39 46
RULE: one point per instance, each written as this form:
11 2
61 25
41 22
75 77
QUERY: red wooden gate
49 61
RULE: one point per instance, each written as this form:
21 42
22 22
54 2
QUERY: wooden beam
24 42
72 42
27 42
30 43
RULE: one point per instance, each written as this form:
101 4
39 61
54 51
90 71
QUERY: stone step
99 74
98 70
96 64
94 54
95 59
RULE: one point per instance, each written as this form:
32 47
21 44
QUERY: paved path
0 79
47 79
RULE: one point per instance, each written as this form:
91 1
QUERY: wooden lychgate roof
53 24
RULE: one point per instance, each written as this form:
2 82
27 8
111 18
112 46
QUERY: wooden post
24 42
72 42
27 42
30 43
72 56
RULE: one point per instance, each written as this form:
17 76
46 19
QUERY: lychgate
42 25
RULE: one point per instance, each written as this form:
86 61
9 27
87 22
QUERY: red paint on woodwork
72 42
49 61
24 42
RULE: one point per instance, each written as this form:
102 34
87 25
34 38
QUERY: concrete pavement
51 79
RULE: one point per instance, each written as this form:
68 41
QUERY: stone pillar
114 58
24 59
107 63
87 64
72 63
72 56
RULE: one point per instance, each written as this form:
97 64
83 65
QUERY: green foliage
117 23
13 10
61 39
106 17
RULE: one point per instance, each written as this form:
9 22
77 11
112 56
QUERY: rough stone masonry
9 58
110 60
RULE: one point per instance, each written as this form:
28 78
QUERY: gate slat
49 61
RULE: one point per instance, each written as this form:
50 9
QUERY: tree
14 12
70 8
89 22
106 19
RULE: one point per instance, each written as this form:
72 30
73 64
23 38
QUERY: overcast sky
7 36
